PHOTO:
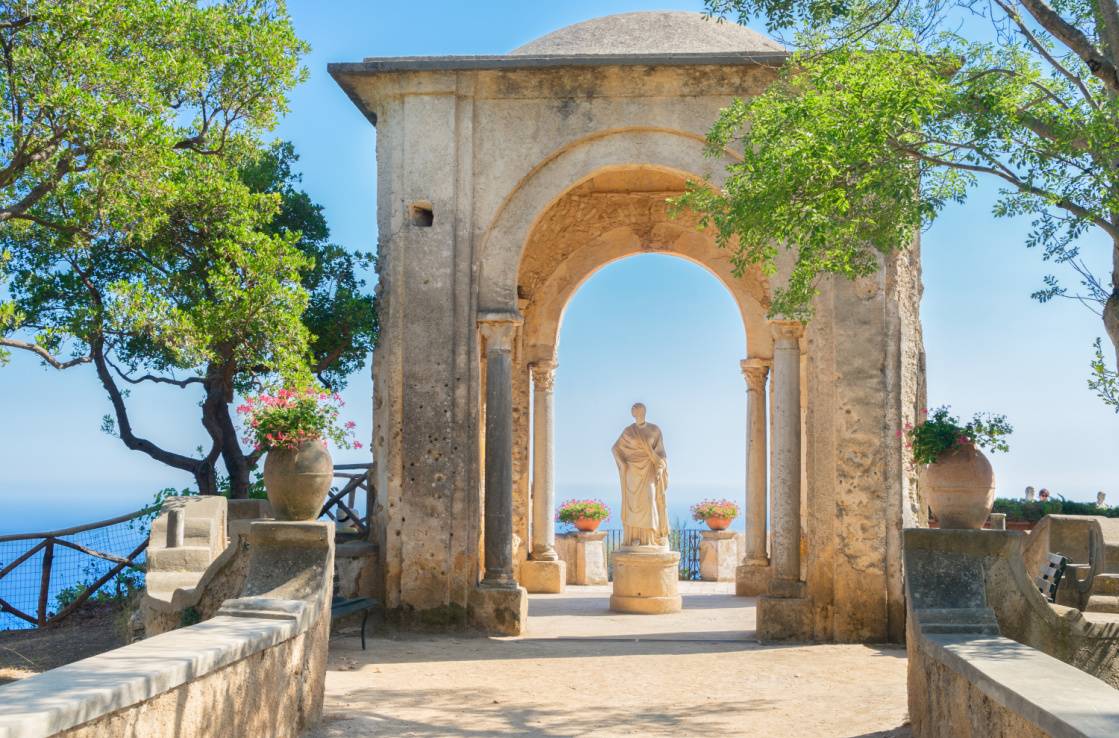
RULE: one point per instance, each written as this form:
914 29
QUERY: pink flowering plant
286 418
572 510
941 432
705 509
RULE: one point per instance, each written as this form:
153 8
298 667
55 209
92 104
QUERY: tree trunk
236 464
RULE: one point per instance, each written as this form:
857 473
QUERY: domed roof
650 33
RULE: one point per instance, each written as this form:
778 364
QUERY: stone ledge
70 695
1022 679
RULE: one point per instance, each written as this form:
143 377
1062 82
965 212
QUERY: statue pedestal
645 580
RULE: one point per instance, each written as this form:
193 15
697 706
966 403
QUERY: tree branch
1075 39
43 354
153 378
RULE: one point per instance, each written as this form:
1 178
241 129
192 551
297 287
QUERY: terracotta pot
961 487
587 525
297 480
718 523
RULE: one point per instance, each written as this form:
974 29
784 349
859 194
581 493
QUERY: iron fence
684 540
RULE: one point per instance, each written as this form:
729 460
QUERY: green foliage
1020 510
1103 381
941 432
714 509
289 418
118 590
146 230
887 111
571 510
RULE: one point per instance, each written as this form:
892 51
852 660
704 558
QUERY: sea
47 510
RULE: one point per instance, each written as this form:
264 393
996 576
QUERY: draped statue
643 471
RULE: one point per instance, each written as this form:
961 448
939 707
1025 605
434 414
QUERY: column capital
499 329
786 331
755 372
543 374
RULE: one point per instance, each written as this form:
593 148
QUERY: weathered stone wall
257 668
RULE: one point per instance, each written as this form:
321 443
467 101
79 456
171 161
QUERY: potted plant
718 514
956 474
292 426
585 515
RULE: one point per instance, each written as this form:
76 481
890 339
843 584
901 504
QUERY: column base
499 610
543 577
751 578
718 555
785 614
646 580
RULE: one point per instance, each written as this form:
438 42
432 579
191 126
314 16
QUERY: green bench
342 606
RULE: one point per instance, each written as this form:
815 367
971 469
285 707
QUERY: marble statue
1030 494
1101 499
643 472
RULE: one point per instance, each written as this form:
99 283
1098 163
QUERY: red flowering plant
723 509
572 510
286 418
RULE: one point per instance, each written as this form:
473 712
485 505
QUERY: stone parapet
967 590
256 668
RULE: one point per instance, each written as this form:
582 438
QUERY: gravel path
583 671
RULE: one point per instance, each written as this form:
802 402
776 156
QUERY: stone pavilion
504 182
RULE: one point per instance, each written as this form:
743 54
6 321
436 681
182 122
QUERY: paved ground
584 671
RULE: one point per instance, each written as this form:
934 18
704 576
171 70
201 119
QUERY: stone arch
545 311
677 154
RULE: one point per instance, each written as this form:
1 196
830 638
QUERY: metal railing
684 540
54 563
46 577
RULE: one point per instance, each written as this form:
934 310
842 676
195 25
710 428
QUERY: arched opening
595 228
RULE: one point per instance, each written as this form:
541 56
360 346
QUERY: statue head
638 412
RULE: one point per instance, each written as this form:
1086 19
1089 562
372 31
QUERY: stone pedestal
585 556
645 580
499 610
544 577
718 555
751 578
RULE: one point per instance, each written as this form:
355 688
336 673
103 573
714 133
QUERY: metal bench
1052 571
341 606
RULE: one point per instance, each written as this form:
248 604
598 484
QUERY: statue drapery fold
643 472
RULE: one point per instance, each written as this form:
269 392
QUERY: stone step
1105 584
183 558
163 584
1103 603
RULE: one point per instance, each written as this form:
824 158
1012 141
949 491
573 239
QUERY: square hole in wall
421 214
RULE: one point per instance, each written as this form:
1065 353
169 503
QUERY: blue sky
650 328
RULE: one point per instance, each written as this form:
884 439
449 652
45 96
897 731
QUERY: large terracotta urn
961 487
297 480
715 523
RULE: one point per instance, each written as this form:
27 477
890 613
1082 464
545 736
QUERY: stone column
499 605
543 463
544 572
752 575
786 474
498 332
